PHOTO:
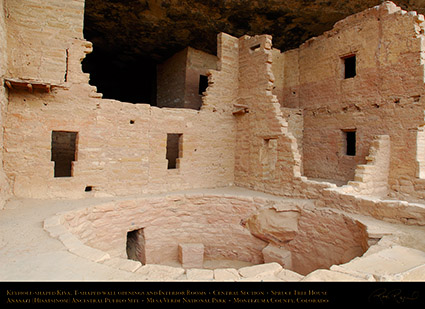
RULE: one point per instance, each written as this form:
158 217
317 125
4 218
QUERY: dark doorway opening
63 149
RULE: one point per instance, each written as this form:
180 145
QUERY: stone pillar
191 255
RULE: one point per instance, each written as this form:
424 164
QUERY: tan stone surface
199 274
260 272
270 121
324 275
226 274
191 255
159 272
22 253
277 254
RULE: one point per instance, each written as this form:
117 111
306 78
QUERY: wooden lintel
29 85
240 109
240 106
239 112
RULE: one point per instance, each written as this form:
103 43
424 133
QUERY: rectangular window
349 66
350 142
203 84
173 149
63 149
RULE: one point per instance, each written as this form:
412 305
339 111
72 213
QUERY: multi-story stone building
336 124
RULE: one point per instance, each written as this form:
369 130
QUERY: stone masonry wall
4 185
198 63
171 78
178 78
267 152
121 147
262 131
372 178
384 98
39 34
169 221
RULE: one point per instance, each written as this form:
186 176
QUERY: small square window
349 66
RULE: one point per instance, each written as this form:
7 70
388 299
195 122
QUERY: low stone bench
191 255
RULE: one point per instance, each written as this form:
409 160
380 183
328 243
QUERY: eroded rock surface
158 29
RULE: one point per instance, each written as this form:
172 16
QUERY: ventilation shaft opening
136 245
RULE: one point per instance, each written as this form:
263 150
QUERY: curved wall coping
372 266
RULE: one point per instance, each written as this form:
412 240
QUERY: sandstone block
414 274
260 270
57 230
89 253
324 275
123 264
69 240
52 221
272 225
387 262
191 255
277 254
289 275
226 274
199 274
160 272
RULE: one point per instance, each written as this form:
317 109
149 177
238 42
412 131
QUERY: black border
213 293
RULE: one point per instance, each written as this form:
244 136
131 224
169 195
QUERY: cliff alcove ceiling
131 36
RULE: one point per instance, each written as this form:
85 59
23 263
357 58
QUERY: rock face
273 226
130 37
306 239
158 29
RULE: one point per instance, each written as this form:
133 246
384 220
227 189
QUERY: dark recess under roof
130 36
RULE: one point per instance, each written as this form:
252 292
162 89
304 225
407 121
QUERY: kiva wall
4 184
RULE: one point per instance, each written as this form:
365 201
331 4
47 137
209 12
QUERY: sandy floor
28 252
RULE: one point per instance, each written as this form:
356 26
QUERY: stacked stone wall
385 97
